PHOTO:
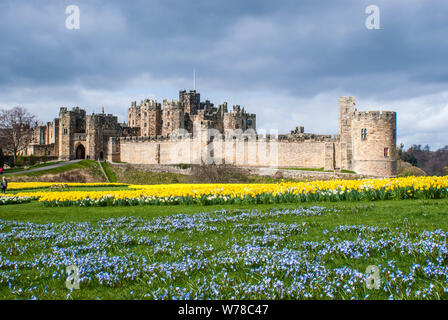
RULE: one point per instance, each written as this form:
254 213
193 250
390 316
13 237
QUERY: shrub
20 162
31 160
183 166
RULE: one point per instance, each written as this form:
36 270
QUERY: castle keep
183 113
194 132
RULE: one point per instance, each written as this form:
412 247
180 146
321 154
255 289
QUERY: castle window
145 124
386 152
363 134
249 122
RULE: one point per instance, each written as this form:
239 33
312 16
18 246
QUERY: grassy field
111 175
72 172
315 250
129 175
84 164
134 176
40 165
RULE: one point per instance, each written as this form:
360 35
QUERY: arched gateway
80 152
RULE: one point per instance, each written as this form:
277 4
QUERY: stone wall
239 152
40 150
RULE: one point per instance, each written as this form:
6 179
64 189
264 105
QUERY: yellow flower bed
333 190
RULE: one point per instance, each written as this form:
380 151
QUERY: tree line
434 163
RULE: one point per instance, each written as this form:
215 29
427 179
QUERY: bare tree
16 129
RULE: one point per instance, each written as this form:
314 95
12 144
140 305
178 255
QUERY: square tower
191 101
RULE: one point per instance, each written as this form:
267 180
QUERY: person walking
4 184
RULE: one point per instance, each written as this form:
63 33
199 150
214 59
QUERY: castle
190 131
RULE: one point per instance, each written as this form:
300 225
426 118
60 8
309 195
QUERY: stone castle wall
239 152
312 154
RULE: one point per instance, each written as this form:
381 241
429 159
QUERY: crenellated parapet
306 137
376 116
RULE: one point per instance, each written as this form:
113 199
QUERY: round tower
374 143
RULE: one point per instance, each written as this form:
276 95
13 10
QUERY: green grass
410 217
40 165
133 176
109 172
84 164
384 212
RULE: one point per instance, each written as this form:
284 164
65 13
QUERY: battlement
150 104
75 110
236 109
153 138
190 137
374 115
305 137
108 116
173 104
78 110
185 92
347 99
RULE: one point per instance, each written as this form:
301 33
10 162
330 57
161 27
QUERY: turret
374 142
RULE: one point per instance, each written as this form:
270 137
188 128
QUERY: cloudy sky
286 61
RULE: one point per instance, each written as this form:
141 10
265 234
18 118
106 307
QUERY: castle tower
172 117
151 118
70 123
346 110
191 101
239 119
134 115
373 136
100 128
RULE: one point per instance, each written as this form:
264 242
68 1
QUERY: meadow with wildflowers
314 250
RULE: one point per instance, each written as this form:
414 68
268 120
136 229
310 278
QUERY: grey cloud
285 60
